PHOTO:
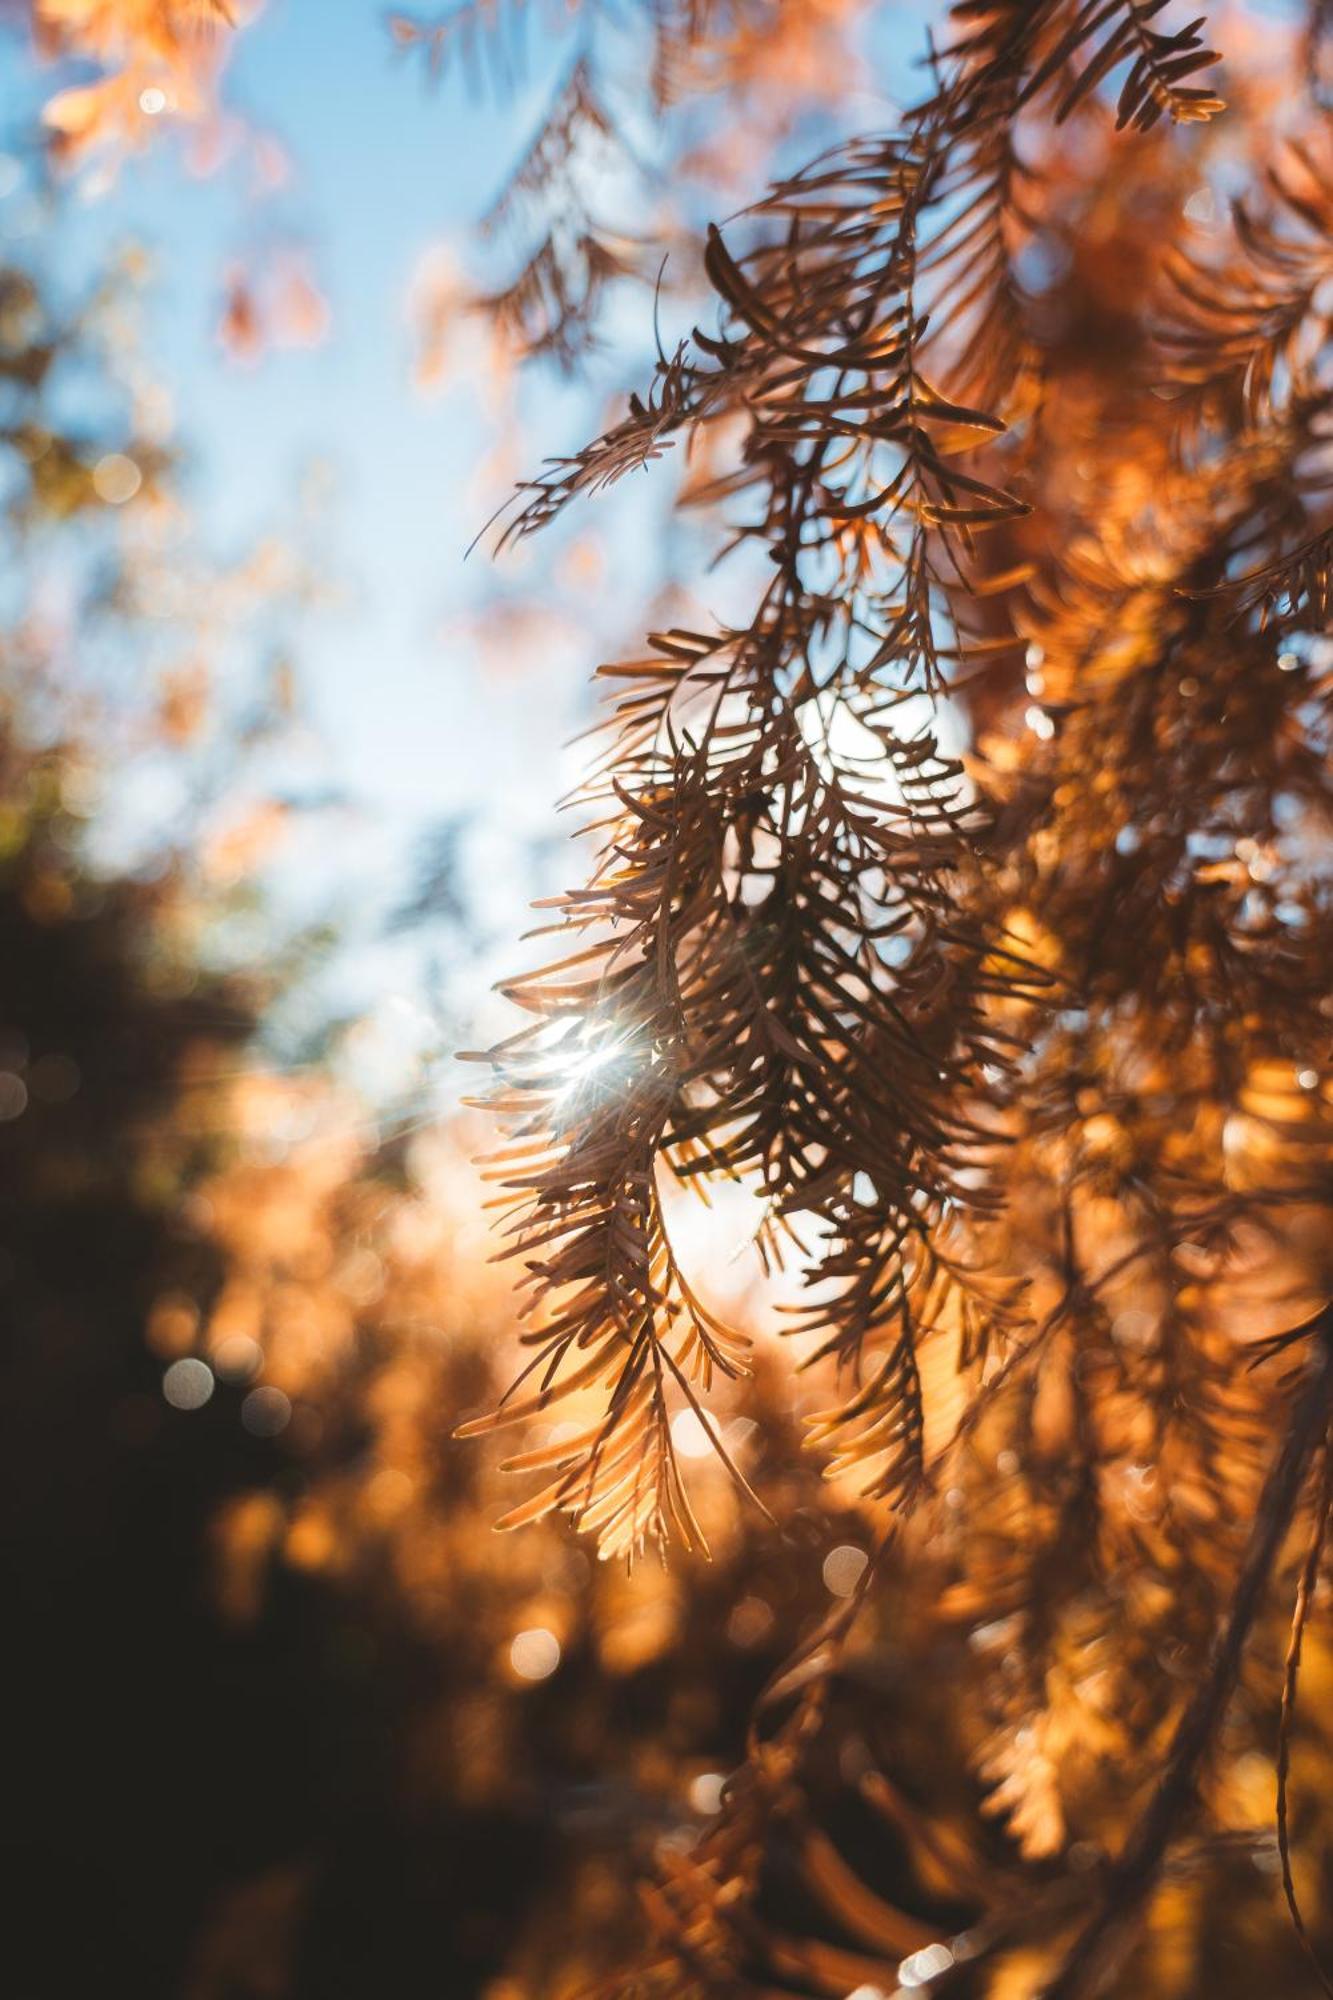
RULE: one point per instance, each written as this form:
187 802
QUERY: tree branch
1098 1950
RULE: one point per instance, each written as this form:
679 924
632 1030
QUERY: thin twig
1290 1677
1097 1952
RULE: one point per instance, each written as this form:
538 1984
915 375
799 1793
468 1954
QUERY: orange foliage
160 61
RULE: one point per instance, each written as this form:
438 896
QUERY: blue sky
381 169
413 724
